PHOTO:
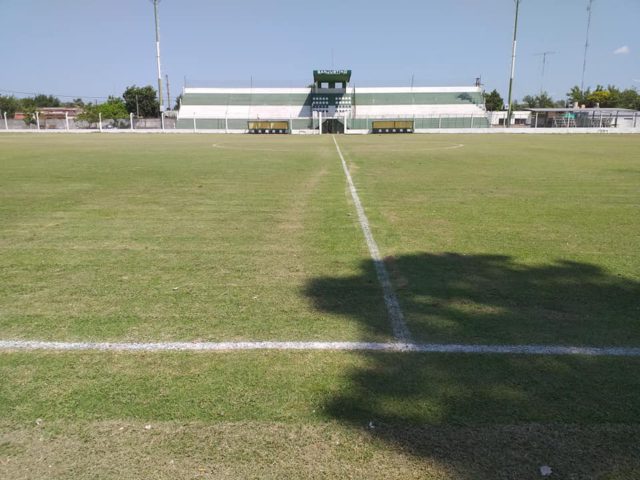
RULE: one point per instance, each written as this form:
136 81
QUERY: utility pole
544 61
586 44
513 64
168 94
155 14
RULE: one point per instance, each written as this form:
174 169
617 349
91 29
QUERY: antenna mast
544 62
586 44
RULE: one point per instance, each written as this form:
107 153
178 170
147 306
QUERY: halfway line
9 345
400 330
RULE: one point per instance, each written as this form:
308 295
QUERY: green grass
169 238
307 414
508 239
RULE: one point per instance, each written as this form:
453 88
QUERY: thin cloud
623 50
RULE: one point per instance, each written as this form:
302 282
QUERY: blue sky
96 48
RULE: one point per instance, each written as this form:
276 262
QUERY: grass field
487 239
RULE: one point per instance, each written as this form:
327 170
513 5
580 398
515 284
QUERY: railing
425 122
39 122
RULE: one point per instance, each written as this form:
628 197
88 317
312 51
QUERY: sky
90 48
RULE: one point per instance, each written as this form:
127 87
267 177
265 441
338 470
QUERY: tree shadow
454 298
499 416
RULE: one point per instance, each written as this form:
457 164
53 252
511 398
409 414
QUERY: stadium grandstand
332 105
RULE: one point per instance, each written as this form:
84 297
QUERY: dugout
268 127
392 126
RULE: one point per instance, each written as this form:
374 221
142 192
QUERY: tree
630 98
538 101
113 109
600 97
90 114
27 103
614 96
178 101
9 104
576 95
529 101
141 101
493 101
29 112
610 97
43 101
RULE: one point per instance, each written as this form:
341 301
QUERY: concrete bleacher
232 108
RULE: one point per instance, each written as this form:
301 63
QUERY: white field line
14 345
226 147
418 150
400 330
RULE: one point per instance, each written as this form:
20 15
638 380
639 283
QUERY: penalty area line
398 325
32 345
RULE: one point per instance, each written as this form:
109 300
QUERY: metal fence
592 119
309 124
298 124
424 122
45 123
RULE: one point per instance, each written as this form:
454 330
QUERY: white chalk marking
9 345
400 330
243 148
416 150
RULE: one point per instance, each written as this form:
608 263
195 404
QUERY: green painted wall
357 99
417 98
245 99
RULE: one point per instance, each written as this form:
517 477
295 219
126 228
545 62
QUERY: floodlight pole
155 14
513 64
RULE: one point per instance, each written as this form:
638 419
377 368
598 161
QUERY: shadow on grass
499 416
449 298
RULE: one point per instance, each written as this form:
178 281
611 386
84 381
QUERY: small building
584 117
51 113
519 118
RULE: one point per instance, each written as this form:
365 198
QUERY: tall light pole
586 44
513 63
544 62
155 14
